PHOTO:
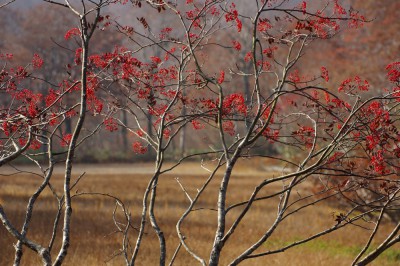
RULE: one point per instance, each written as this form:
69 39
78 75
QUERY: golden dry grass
93 243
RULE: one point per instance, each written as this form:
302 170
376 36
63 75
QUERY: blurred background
30 27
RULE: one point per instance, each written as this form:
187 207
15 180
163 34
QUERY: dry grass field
94 244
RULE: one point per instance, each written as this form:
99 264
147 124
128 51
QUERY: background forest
30 27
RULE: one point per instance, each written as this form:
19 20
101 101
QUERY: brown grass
93 243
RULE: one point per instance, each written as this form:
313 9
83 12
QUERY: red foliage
234 103
66 140
237 45
378 162
303 7
393 72
351 84
232 15
51 97
37 61
294 76
338 9
139 148
78 56
110 124
197 125
229 127
34 145
324 74
248 57
221 77
264 25
72 32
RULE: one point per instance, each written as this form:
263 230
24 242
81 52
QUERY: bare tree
27 125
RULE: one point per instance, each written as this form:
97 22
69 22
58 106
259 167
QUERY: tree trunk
219 234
